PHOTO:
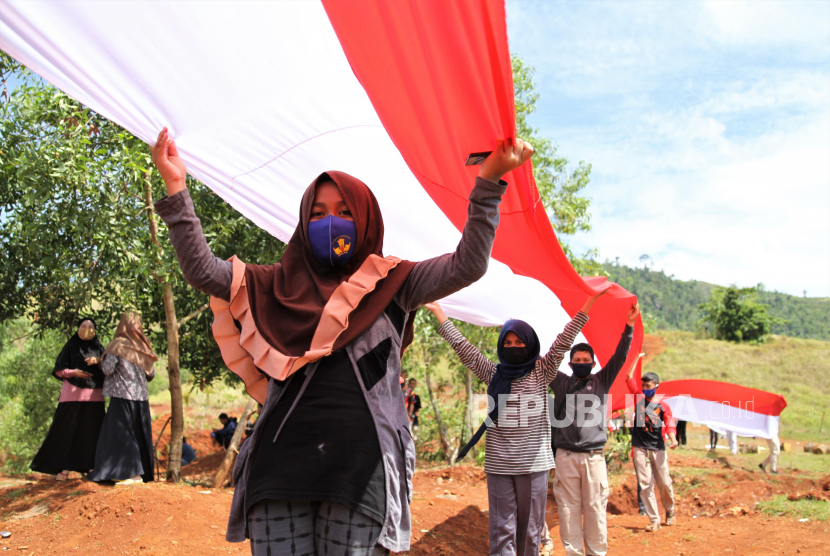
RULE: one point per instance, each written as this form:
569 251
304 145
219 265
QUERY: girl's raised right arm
470 357
200 267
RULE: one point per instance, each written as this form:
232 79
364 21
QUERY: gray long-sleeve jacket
429 280
573 399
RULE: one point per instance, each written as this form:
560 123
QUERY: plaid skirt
300 528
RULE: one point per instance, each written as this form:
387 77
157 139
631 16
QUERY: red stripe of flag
439 76
736 396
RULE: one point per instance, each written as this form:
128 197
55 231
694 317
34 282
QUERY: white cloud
769 23
772 89
709 137
761 214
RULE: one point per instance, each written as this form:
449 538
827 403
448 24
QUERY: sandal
654 526
670 519
62 476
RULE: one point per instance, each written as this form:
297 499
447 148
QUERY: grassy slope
798 369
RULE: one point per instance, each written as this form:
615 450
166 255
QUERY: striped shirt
518 444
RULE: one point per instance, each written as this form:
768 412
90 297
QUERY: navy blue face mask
332 240
581 370
649 393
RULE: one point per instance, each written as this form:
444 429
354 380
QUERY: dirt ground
716 508
209 454
652 347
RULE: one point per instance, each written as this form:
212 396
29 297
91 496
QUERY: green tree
426 350
560 186
81 235
736 315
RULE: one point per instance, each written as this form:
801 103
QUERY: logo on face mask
331 239
340 245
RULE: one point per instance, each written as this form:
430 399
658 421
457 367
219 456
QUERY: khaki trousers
771 462
652 466
581 490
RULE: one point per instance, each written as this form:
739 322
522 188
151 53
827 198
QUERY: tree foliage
82 237
672 304
799 317
75 228
736 315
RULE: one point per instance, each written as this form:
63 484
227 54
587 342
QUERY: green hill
673 304
798 369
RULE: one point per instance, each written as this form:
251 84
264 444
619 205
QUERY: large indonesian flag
263 96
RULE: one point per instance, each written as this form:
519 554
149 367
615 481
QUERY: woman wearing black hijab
518 443
73 437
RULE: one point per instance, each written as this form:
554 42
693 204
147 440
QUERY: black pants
713 439
681 432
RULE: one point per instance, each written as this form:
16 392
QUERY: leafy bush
619 449
453 410
28 393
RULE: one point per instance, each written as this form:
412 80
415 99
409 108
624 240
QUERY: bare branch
194 314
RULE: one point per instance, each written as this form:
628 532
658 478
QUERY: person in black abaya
73 437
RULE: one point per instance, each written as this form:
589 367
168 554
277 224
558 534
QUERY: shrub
28 393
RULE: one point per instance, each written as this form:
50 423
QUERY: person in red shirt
653 422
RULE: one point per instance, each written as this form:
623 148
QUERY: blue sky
707 125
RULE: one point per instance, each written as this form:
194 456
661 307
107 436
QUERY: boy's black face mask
581 370
514 355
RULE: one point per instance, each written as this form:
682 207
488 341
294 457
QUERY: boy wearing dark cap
652 422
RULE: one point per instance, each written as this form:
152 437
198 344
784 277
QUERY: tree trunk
233 448
174 462
449 451
470 425
174 465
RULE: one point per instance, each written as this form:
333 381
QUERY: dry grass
798 369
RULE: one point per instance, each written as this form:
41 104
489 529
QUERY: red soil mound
155 518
